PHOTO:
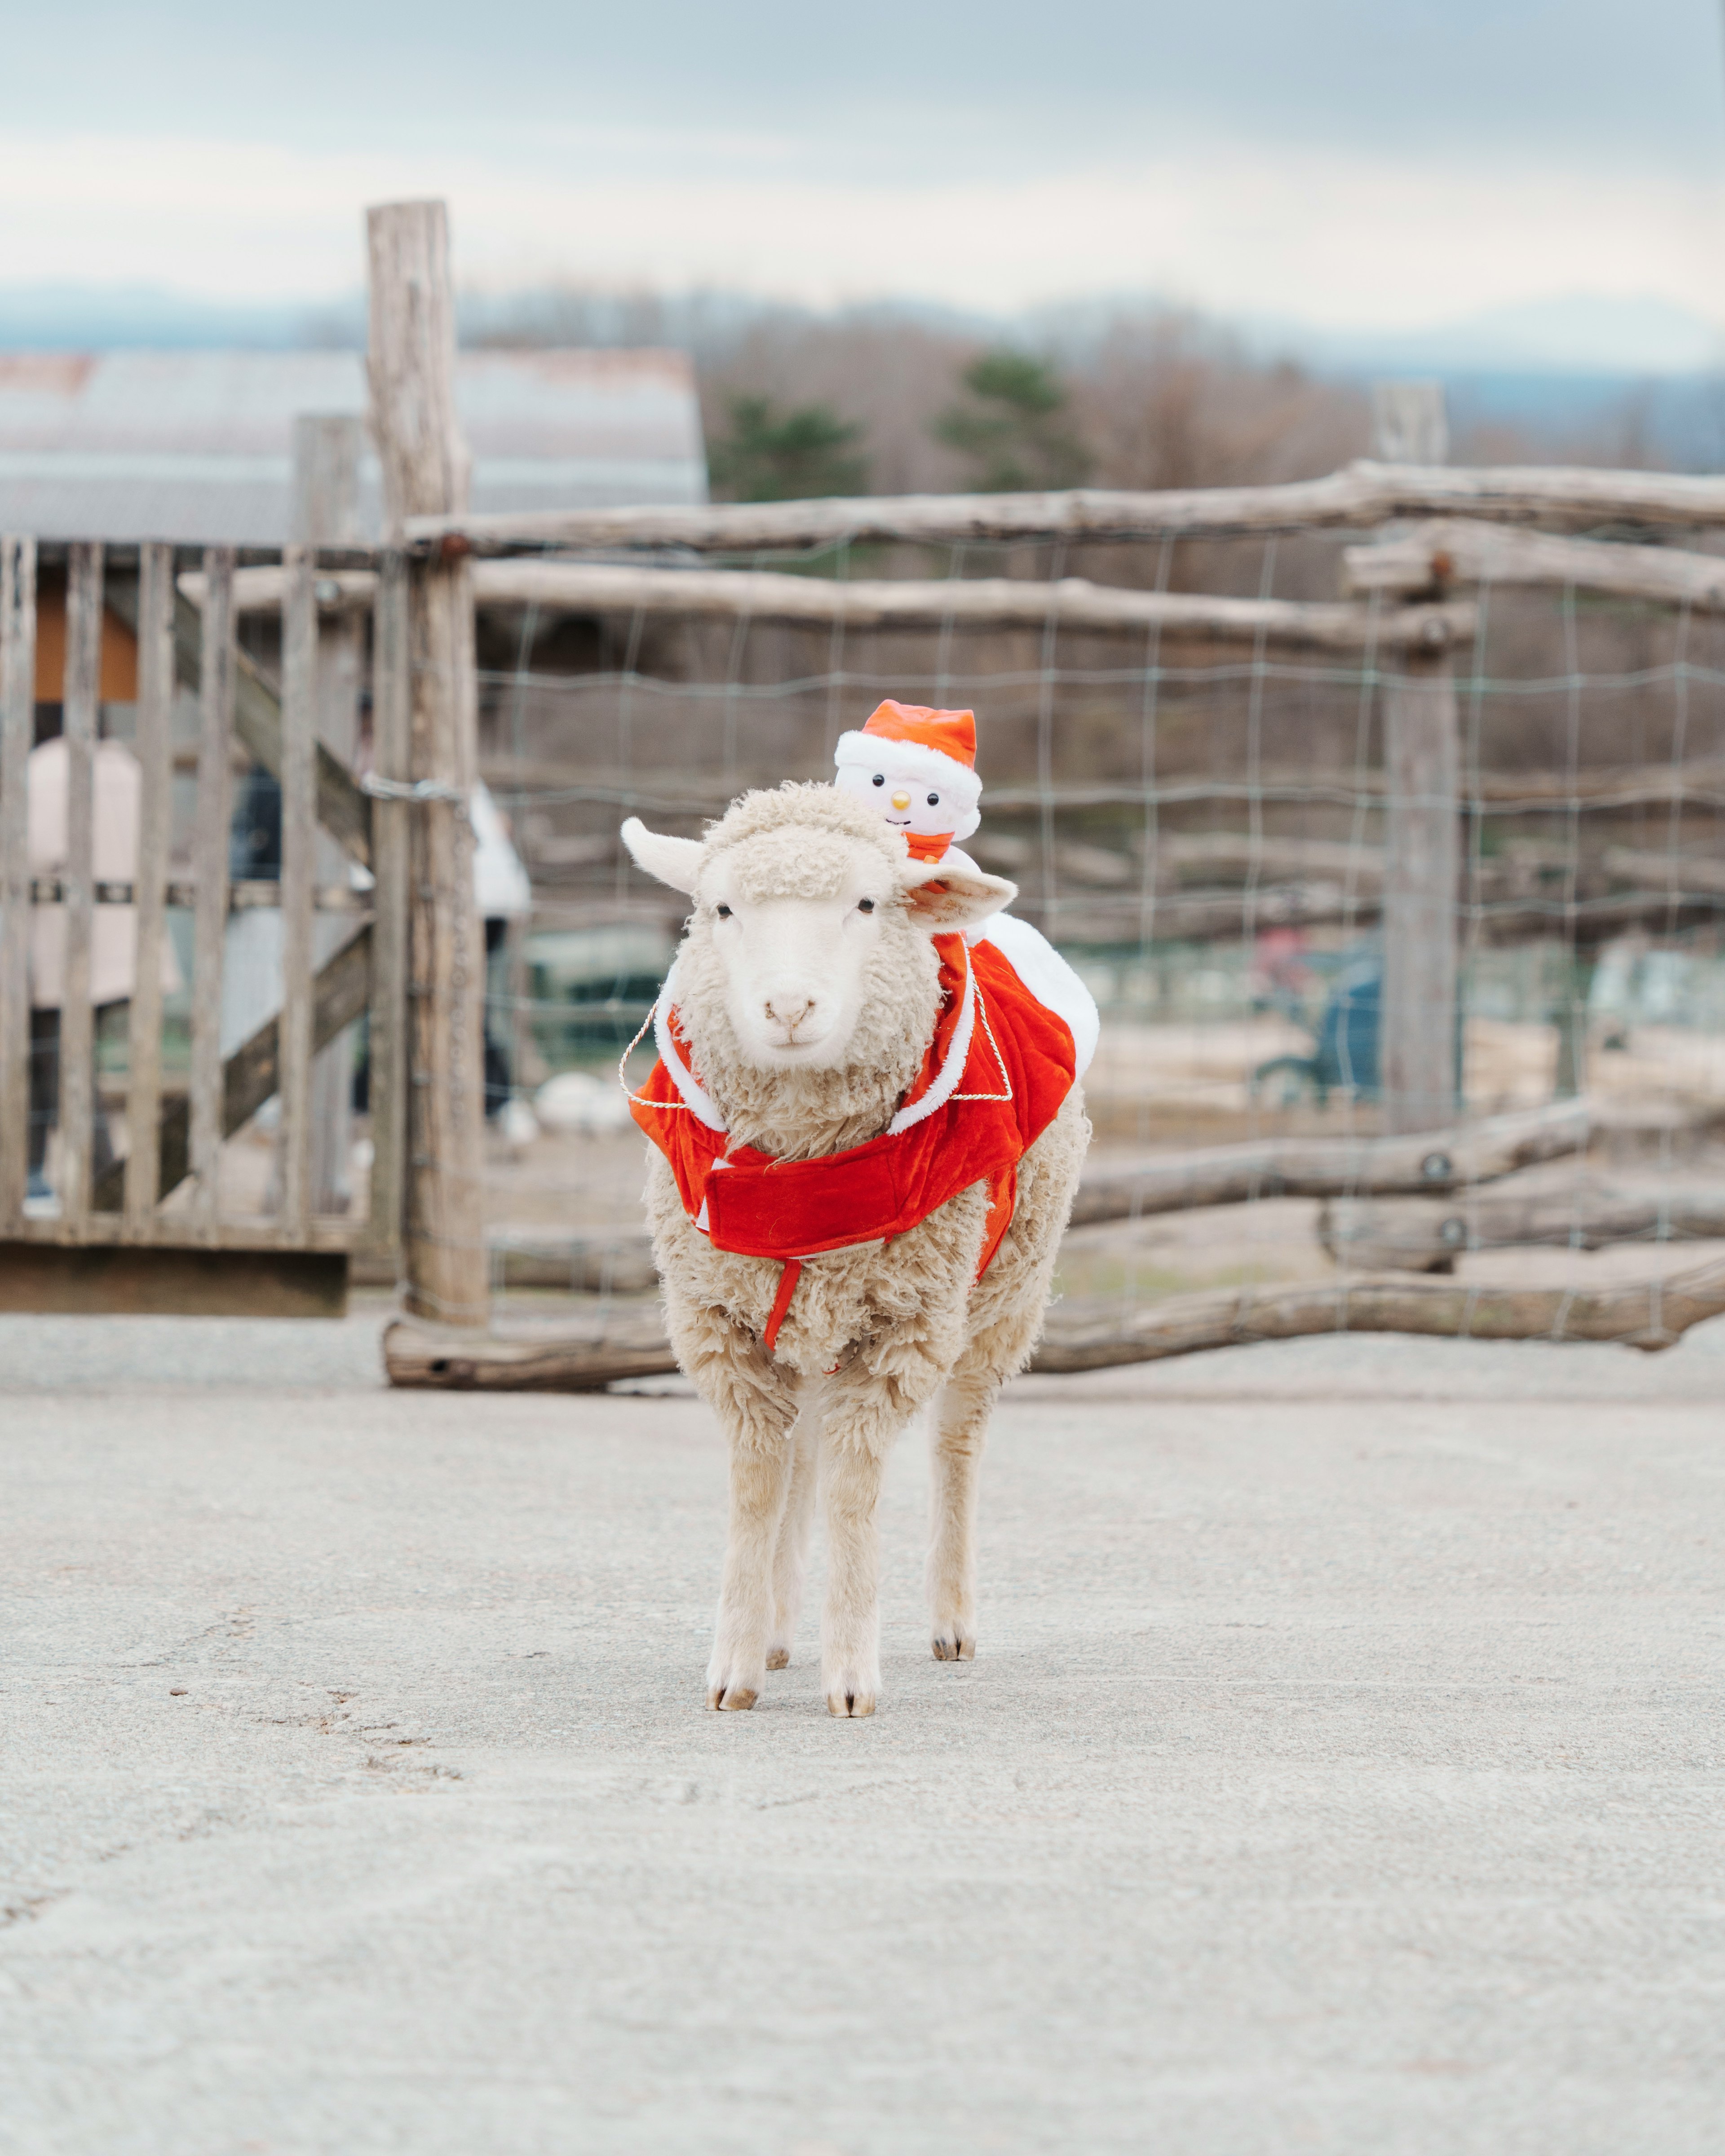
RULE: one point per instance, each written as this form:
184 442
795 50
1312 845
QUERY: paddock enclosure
1382 813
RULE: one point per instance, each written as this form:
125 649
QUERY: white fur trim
914 761
681 1076
946 1079
1048 976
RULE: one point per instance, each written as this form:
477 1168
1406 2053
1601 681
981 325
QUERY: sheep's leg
760 1475
850 1625
790 1562
756 1402
957 1432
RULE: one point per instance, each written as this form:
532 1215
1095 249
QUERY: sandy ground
1341 1769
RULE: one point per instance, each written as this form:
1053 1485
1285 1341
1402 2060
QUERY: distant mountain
1579 334
108 318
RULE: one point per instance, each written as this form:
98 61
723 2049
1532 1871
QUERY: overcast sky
1350 163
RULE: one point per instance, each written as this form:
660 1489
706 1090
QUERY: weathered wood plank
1422 883
984 603
17 692
411 361
1437 557
1437 1161
77 1044
326 513
210 861
253 1073
299 692
621 1340
1428 1235
172 1280
1422 769
1364 493
154 748
391 837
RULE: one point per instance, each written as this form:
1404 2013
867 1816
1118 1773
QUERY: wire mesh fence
1203 825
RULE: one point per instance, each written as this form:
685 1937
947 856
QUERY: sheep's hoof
954 1648
732 1699
853 1704
778 1658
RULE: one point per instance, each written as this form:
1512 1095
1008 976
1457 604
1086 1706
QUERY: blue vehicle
1346 1054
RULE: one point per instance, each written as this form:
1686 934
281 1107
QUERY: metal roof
195 446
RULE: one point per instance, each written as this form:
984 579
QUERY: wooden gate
88 901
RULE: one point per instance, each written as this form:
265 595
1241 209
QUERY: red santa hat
930 749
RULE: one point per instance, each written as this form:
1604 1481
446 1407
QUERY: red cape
992 1081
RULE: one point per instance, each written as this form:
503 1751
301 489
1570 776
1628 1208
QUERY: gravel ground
1342 1767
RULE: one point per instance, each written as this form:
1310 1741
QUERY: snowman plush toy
918 766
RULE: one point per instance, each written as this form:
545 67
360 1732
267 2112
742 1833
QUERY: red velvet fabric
766 1209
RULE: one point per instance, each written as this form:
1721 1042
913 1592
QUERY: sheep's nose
789 1011
901 800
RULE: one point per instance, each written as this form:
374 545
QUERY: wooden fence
151 1228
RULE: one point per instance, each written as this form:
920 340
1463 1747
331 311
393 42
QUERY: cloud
1335 239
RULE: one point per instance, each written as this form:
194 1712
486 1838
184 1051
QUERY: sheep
807 990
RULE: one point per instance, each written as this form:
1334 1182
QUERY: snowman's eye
934 801
880 779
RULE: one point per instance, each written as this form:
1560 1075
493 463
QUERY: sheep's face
804 927
797 963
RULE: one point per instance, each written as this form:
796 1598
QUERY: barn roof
195 446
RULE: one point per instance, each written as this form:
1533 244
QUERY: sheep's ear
944 899
675 861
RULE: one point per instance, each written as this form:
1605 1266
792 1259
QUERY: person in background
502 894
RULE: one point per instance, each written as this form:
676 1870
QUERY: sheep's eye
934 801
723 912
880 779
865 906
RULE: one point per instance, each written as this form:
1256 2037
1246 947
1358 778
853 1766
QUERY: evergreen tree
1010 426
798 455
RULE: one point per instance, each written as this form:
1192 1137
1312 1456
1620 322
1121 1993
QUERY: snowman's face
908 804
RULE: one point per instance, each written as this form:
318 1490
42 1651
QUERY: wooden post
18 699
80 694
155 752
1422 828
387 1023
412 369
326 513
299 782
210 856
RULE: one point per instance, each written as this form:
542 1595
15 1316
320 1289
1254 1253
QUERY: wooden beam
17 693
1427 1162
1362 495
1699 785
1437 557
261 589
621 1341
81 693
1428 1235
412 369
299 863
387 1031
1422 767
982 603
154 747
134 1280
327 448
210 858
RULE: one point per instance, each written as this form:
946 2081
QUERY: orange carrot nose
901 800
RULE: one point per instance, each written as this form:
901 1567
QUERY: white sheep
809 998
